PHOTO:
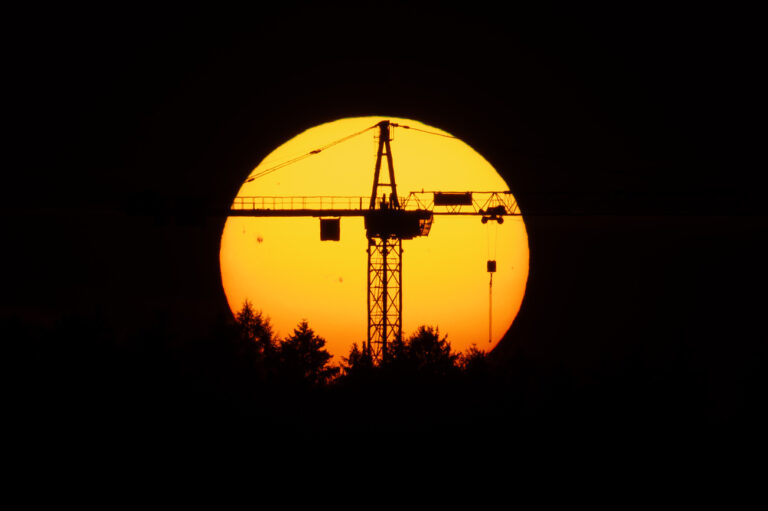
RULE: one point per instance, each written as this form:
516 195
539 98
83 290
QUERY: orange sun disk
281 266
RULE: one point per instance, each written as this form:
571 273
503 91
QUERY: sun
281 266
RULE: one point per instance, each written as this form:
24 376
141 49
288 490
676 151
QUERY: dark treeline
89 378
85 372
85 366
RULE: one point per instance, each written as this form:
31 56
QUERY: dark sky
627 135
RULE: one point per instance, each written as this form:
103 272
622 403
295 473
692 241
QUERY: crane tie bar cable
316 151
298 158
423 131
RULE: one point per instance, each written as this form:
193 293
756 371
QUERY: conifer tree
303 357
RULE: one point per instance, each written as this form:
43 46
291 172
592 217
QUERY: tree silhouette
303 358
256 345
428 353
256 328
479 370
474 361
425 353
358 363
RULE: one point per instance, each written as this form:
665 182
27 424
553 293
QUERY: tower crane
389 219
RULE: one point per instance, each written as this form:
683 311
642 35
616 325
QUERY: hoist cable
490 309
492 240
487 242
490 273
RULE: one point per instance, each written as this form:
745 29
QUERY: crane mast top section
384 150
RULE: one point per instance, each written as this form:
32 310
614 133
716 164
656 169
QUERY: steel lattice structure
388 221
385 297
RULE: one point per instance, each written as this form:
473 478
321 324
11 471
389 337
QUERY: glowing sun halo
281 266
